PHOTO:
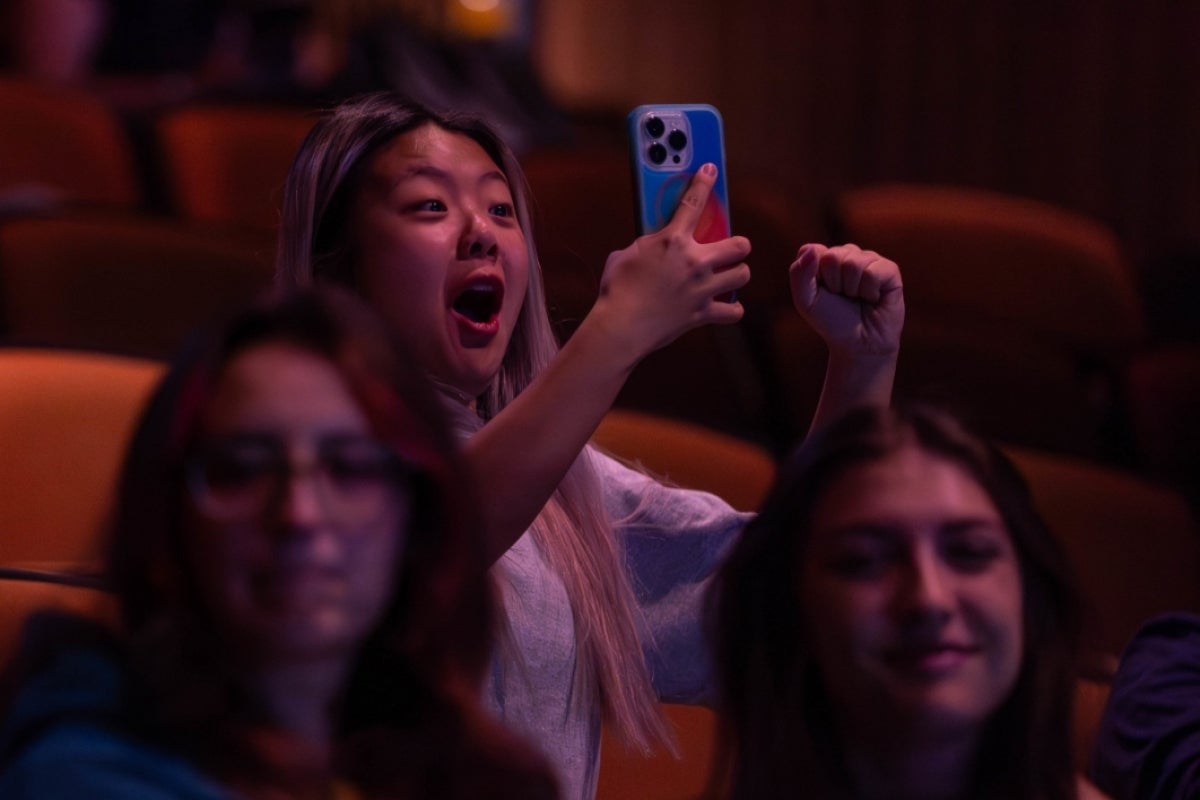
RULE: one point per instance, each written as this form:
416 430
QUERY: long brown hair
416 675
573 530
776 735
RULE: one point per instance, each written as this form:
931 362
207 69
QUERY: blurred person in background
147 55
299 571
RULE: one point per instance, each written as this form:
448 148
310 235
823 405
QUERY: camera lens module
655 127
657 153
677 140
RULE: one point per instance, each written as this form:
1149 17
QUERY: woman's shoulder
68 709
633 490
104 763
1168 647
1174 631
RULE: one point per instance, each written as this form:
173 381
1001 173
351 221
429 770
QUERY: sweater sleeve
81 761
673 540
1148 744
62 737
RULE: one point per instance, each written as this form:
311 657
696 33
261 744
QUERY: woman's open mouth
477 306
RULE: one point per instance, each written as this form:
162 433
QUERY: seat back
227 164
624 774
1091 696
985 258
1163 387
23 595
65 419
1020 314
741 473
738 471
581 212
127 283
1134 545
62 144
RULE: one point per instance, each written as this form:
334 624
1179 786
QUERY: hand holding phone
668 143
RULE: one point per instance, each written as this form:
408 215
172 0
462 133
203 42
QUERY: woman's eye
346 470
503 210
971 556
860 564
353 463
239 469
436 206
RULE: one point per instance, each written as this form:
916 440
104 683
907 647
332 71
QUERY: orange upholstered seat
65 418
62 145
227 164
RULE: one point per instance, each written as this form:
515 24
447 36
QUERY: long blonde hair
572 531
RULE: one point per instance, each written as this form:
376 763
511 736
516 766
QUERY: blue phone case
662 170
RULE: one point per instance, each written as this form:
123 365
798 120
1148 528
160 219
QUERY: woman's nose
299 503
927 586
478 239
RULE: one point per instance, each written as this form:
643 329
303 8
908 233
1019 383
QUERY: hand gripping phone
668 144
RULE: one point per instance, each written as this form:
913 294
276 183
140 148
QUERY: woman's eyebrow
969 523
864 530
419 171
493 175
246 435
441 175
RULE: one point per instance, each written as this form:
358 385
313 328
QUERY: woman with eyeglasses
304 610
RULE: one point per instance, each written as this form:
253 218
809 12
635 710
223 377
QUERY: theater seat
1163 385
123 283
695 457
1133 543
690 455
226 164
624 774
65 418
1091 695
1014 306
62 145
23 594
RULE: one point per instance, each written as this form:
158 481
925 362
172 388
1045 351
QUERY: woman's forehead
430 149
906 484
284 387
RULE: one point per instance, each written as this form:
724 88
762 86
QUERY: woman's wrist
858 379
609 339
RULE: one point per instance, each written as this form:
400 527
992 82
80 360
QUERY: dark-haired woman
896 623
304 610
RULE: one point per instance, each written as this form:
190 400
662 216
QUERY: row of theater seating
1024 316
1044 350
65 417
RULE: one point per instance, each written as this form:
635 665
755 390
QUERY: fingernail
709 169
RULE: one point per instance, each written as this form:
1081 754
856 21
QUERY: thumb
804 281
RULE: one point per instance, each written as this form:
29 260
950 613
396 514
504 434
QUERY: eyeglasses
356 479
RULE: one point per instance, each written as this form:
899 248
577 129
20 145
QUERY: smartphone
668 144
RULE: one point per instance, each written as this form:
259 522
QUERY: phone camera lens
655 127
677 140
657 153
